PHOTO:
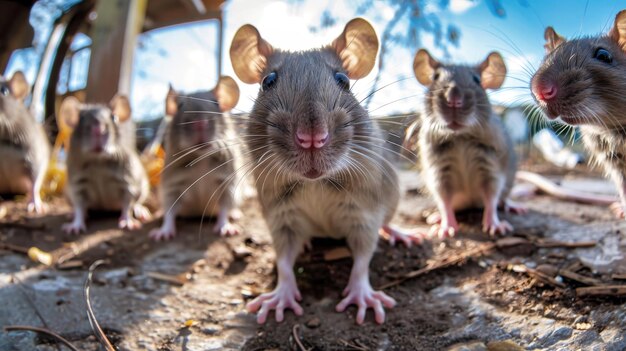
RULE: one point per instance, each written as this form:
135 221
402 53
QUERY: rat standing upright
466 156
202 159
583 81
318 159
103 171
24 147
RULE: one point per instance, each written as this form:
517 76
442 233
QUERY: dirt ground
521 293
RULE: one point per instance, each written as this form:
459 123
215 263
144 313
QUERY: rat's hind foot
163 233
361 294
407 238
225 229
283 297
128 222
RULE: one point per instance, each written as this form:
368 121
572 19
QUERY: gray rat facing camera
319 161
103 171
202 159
466 156
24 146
582 82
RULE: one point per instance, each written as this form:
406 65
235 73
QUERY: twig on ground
619 276
14 248
538 275
10 328
445 262
571 245
173 279
352 346
92 318
580 278
606 290
295 331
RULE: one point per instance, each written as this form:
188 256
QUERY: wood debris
605 290
179 280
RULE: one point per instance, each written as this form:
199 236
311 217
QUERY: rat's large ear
227 93
120 105
171 102
357 47
69 113
248 54
618 32
19 86
424 67
553 39
492 71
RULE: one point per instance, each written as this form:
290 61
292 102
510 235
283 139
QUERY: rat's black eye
476 79
269 81
342 80
4 90
603 55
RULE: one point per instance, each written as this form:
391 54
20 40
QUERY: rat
466 156
319 161
582 82
202 158
120 106
103 172
24 146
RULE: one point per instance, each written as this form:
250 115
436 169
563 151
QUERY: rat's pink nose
545 91
315 140
455 101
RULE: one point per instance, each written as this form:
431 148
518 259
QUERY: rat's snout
315 139
454 98
544 91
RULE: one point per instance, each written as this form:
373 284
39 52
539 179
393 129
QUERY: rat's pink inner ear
120 105
19 86
618 32
424 67
492 71
227 93
249 53
69 113
171 102
357 47
553 39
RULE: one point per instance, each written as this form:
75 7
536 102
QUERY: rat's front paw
226 229
76 227
495 227
282 298
162 234
37 207
128 222
443 231
142 213
363 296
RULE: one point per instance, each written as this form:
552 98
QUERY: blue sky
185 55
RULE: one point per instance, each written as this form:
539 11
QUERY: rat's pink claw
282 298
364 296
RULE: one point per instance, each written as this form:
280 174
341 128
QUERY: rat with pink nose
319 161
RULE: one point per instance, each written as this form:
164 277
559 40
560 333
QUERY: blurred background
93 49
